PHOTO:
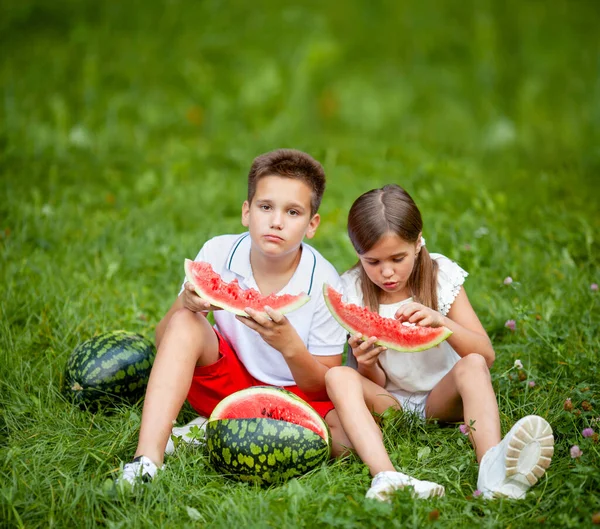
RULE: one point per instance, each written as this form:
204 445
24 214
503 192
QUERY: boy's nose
276 221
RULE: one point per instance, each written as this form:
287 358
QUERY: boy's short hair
289 163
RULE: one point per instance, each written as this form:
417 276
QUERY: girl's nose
387 271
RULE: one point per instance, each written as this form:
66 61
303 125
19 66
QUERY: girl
397 277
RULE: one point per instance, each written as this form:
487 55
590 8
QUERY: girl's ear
312 226
246 213
418 244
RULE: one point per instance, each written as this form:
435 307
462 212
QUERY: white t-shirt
410 373
229 256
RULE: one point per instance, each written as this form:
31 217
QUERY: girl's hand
366 351
420 315
193 301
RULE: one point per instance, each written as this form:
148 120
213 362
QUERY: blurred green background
138 121
127 129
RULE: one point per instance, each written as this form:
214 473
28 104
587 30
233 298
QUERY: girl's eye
398 259
371 263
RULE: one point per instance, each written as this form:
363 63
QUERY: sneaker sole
438 490
529 451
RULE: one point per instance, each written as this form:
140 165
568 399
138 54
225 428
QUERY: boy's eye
265 207
293 212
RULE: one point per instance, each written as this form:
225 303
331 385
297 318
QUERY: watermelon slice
391 333
229 296
266 435
270 402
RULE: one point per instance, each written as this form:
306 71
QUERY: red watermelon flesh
390 332
231 297
270 402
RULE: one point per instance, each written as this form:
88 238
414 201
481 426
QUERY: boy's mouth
272 238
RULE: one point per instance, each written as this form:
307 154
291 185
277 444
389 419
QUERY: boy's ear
312 226
245 213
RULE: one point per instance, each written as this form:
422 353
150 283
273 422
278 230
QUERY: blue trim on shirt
235 248
312 274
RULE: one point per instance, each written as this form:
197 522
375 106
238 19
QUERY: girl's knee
338 375
471 368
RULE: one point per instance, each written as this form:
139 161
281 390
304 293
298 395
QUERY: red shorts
212 383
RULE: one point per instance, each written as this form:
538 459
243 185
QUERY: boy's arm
308 370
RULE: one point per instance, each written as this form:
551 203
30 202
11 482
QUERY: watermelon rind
287 439
229 305
274 396
263 451
442 334
109 368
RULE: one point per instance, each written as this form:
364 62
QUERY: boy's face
279 216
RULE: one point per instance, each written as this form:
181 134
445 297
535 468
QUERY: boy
207 364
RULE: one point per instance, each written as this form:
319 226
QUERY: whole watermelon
266 435
110 367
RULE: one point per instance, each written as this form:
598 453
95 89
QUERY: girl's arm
468 336
373 373
366 352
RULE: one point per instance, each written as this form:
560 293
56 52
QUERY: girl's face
389 264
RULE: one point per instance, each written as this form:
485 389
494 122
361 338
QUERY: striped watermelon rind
108 367
230 297
266 450
390 332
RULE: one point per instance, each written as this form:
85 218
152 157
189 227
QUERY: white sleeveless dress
410 377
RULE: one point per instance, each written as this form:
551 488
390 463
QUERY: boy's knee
184 318
190 333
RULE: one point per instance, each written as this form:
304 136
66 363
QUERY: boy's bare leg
350 392
466 393
189 340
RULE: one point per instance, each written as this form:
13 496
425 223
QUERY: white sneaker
192 433
140 470
385 483
518 461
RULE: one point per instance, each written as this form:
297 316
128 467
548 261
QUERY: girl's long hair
391 210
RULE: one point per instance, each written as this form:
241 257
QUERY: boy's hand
194 302
420 315
367 351
276 330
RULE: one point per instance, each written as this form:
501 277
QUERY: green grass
126 132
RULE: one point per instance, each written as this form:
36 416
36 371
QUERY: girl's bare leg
189 340
354 397
466 393
340 444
